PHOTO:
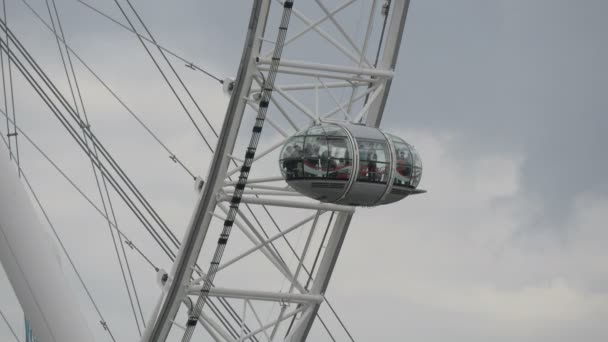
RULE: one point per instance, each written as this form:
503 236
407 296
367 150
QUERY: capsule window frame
299 168
324 135
385 175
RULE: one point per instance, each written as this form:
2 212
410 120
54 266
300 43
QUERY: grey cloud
501 80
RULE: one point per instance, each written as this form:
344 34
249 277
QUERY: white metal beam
267 251
199 223
311 26
360 71
266 242
274 323
395 28
315 74
281 297
310 86
353 56
291 204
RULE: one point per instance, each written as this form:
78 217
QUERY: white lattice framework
328 72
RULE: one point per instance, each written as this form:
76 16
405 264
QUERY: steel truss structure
277 264
307 89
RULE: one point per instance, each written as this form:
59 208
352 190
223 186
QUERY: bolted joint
199 183
228 86
162 277
385 7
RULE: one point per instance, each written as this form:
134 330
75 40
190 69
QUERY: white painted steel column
32 265
199 223
394 32
328 262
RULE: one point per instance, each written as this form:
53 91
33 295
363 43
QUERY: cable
139 120
188 64
226 305
78 139
245 169
223 301
172 155
165 78
326 328
103 321
63 61
178 77
6 321
59 115
172 69
9 134
127 240
385 10
312 270
88 199
97 181
8 127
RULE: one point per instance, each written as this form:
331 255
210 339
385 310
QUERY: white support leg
292 204
189 251
279 297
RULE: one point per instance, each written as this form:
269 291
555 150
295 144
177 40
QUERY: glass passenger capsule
350 164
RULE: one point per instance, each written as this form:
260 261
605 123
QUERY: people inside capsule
408 164
292 160
403 168
315 154
373 161
322 156
388 169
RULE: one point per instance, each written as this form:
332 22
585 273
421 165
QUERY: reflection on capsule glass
350 164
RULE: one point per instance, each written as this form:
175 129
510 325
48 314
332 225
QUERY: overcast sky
505 101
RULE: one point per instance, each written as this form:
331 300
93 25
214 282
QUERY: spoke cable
224 302
78 139
244 174
102 321
187 63
8 324
162 53
81 192
97 180
115 166
179 99
172 155
14 133
71 130
213 305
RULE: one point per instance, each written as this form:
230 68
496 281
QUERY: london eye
278 175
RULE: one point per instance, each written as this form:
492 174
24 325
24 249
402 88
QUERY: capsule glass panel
314 147
404 162
408 165
340 162
291 158
374 161
350 164
417 170
321 151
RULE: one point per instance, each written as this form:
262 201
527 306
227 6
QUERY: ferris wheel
299 150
